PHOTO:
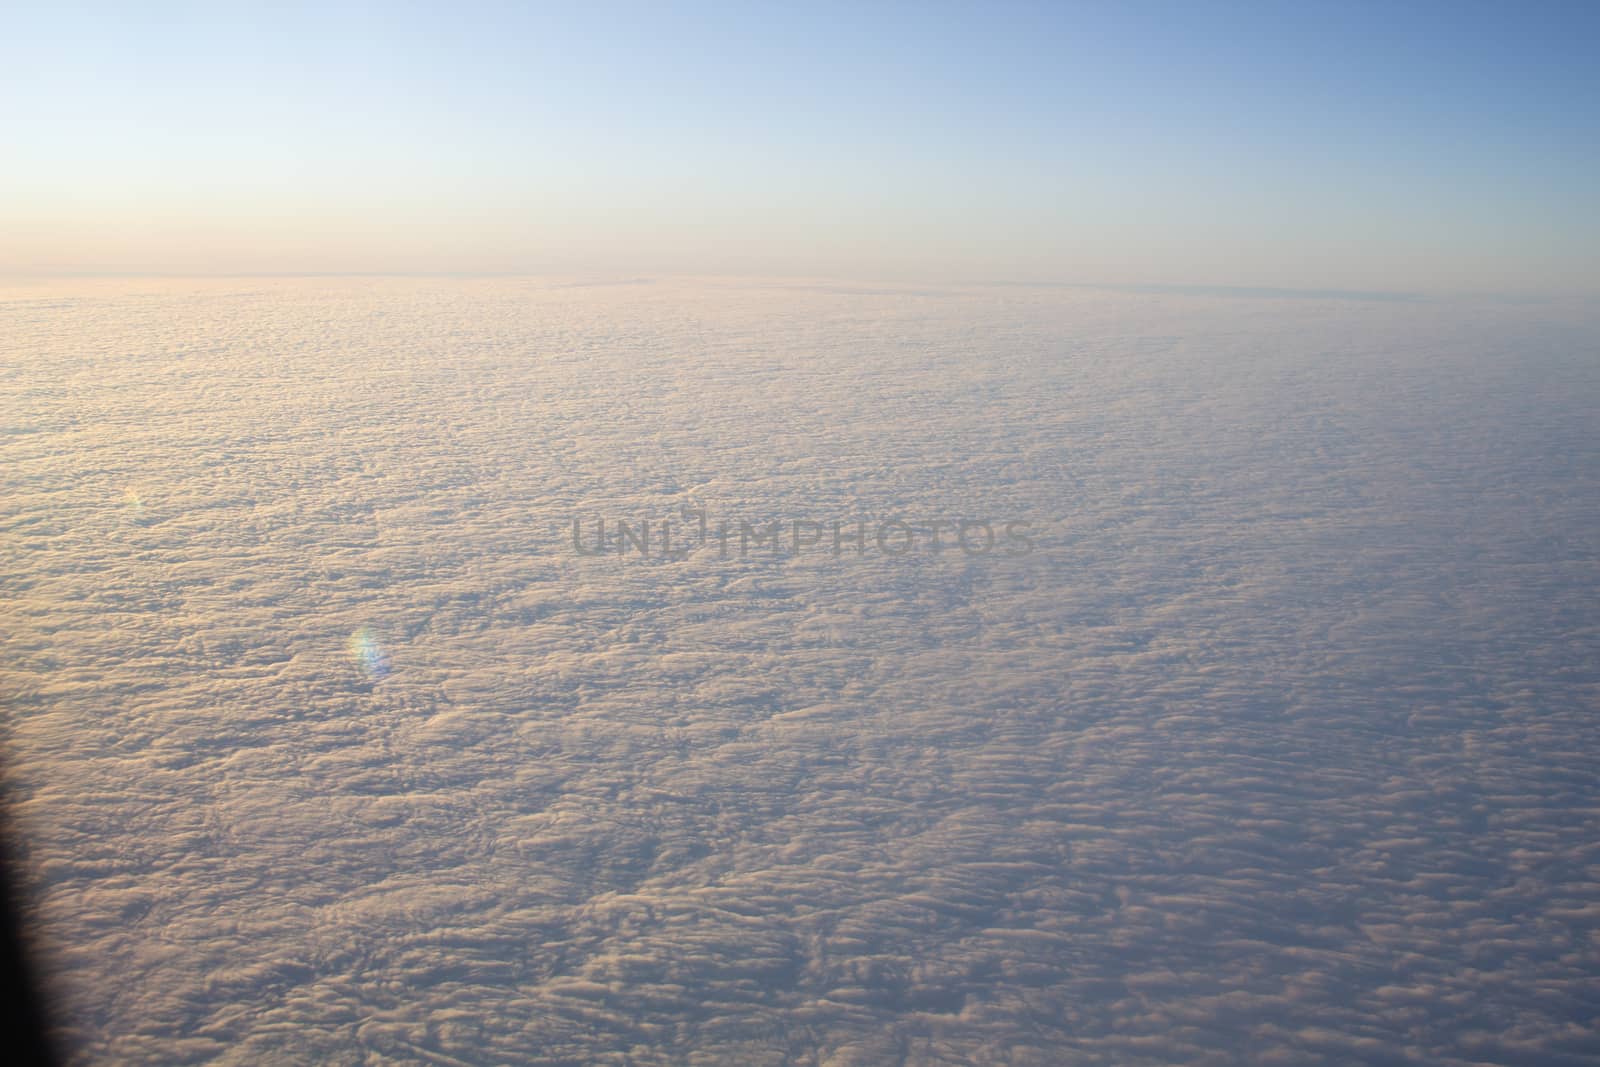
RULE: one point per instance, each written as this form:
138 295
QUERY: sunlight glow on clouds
1281 737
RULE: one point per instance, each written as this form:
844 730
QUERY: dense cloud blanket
1270 735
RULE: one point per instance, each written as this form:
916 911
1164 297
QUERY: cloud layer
1279 746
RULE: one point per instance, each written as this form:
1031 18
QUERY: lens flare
371 659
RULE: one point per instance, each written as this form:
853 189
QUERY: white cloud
1279 744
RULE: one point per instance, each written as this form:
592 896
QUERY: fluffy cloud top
1278 745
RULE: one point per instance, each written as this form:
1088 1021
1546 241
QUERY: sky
1359 145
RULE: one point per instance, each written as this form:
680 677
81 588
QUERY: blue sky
1432 146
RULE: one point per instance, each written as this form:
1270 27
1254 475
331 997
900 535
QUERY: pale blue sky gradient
1416 146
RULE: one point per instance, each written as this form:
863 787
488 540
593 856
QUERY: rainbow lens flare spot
370 657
